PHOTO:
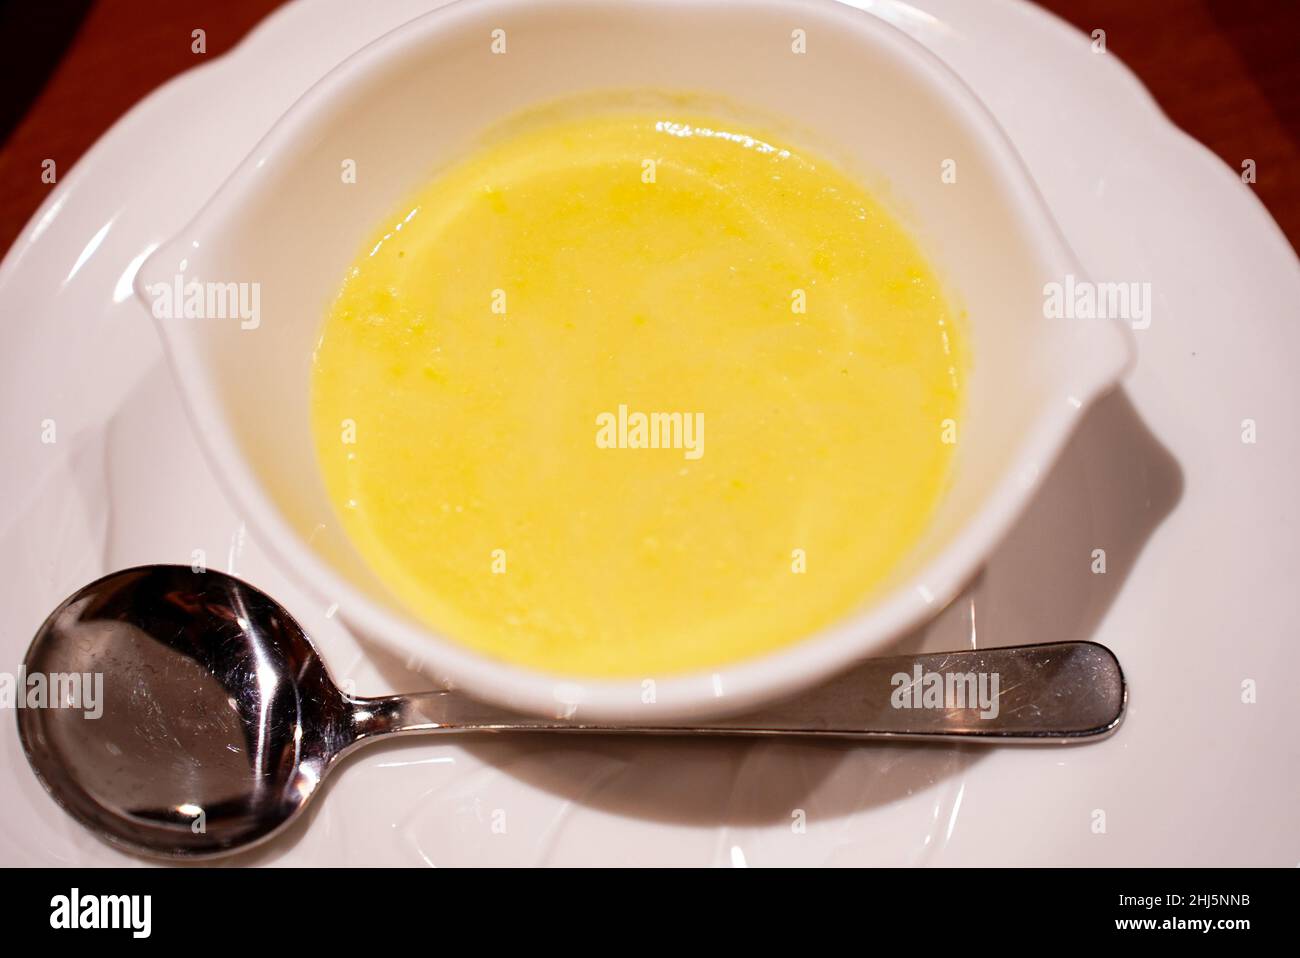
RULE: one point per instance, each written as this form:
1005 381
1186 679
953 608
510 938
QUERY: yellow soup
630 394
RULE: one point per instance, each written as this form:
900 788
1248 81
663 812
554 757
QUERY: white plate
1201 530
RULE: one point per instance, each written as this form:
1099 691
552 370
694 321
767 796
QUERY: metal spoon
218 721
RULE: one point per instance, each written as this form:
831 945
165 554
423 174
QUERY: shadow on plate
1111 488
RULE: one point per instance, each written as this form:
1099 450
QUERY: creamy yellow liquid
469 378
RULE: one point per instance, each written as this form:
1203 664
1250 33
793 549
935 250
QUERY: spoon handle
1056 692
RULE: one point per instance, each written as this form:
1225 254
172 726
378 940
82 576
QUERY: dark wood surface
1226 71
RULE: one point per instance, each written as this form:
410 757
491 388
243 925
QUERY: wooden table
1226 71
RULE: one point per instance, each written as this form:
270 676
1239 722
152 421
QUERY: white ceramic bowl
874 99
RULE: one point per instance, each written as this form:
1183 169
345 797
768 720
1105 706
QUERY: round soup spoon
181 714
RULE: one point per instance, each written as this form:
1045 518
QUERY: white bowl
419 96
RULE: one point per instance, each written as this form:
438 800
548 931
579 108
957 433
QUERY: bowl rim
728 687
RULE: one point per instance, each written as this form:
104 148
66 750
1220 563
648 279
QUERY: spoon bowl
217 720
